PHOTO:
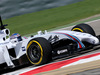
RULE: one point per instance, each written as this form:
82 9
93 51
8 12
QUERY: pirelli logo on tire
77 29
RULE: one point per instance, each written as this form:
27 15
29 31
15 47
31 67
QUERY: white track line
85 22
93 21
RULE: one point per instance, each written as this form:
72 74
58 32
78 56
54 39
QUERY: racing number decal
34 41
77 29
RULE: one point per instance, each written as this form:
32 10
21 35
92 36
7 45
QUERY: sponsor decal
23 48
62 51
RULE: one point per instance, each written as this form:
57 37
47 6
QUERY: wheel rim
34 52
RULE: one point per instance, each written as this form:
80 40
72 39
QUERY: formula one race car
43 47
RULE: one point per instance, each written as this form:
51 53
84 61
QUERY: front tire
84 28
39 51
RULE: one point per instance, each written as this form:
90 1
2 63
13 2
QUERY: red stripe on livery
75 40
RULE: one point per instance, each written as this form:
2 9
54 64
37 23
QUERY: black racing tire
39 51
85 28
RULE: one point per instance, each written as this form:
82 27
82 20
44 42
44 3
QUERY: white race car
43 47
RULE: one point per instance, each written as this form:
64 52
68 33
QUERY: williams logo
62 51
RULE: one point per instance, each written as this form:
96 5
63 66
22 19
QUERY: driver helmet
16 37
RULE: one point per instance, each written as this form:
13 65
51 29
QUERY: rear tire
85 28
39 51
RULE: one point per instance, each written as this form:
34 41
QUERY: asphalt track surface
95 25
89 72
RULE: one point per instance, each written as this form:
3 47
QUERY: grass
52 18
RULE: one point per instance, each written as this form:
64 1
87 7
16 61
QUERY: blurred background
11 8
